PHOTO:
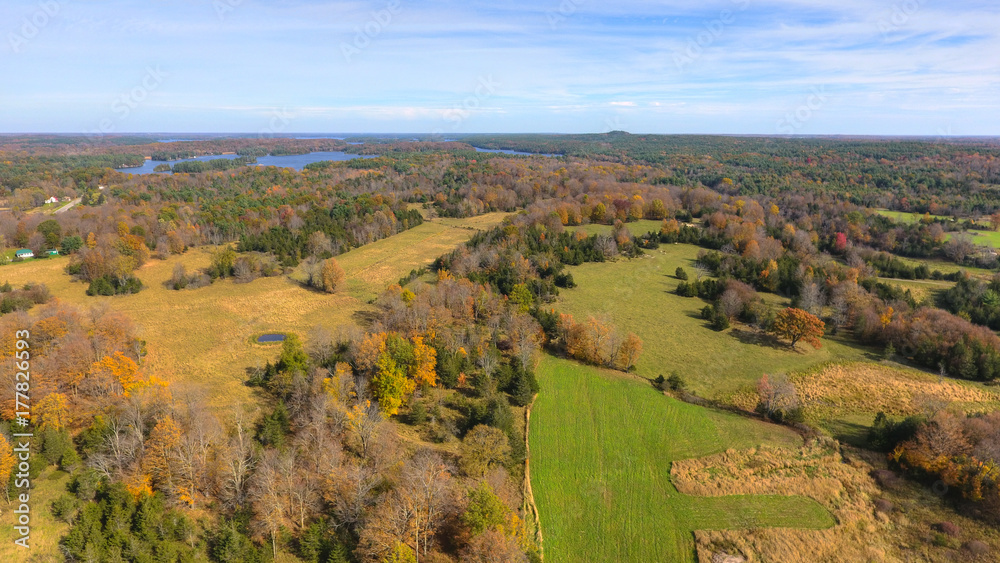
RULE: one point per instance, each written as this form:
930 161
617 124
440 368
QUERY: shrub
885 478
111 285
948 528
720 321
976 547
884 506
681 274
675 382
565 280
64 508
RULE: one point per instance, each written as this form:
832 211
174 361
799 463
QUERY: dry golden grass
374 266
45 529
817 471
869 388
203 337
903 531
479 222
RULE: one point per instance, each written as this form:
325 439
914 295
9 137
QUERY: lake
296 161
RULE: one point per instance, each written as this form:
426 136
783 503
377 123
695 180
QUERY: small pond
265 338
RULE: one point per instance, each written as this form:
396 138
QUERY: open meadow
602 445
637 295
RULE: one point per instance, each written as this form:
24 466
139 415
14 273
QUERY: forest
403 437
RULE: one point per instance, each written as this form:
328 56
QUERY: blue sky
903 67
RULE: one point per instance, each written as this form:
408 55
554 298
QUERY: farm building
52 199
24 253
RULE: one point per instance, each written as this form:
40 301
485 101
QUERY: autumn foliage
795 325
599 343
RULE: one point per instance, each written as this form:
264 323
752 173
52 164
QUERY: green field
601 449
906 217
636 227
983 237
638 295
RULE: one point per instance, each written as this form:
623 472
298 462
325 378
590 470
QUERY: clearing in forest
638 295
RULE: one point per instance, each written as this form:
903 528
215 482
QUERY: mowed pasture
203 337
637 228
638 295
983 236
601 449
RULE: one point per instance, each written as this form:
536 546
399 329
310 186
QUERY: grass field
906 217
945 267
602 445
203 336
45 529
922 290
636 228
984 237
638 296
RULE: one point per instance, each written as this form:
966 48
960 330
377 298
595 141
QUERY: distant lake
505 151
296 161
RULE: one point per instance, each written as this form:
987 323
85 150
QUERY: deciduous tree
795 324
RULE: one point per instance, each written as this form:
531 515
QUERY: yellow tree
6 465
390 384
160 459
52 412
424 361
119 374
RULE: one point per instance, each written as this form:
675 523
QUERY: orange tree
795 324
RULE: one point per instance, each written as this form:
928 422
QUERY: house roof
24 251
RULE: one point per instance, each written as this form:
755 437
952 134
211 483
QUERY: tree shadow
758 338
850 433
365 318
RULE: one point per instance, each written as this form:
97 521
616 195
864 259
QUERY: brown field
841 389
840 482
816 471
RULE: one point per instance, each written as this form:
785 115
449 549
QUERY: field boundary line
529 497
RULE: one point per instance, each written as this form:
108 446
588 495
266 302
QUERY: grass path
601 449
